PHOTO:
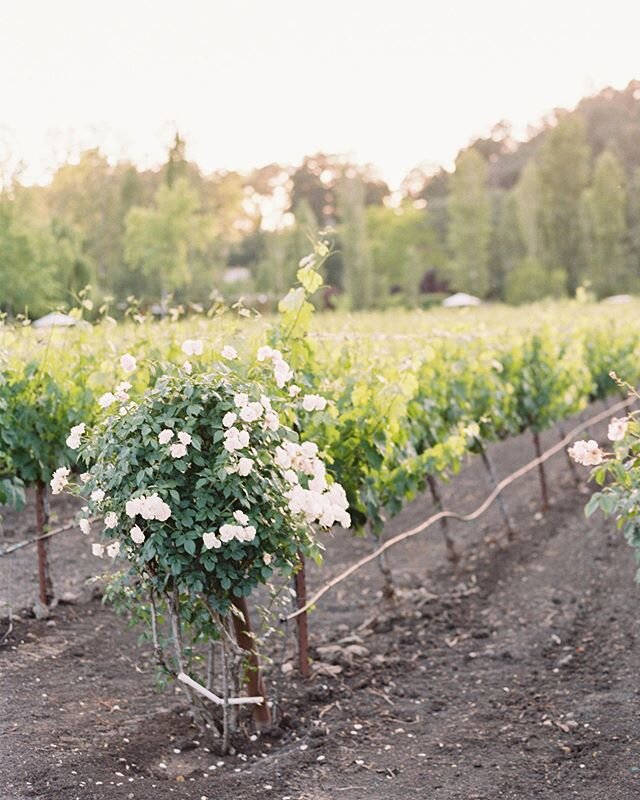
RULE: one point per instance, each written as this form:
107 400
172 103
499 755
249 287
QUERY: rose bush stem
253 675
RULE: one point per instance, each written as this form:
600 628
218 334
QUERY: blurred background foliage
514 221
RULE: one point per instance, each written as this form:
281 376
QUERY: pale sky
249 82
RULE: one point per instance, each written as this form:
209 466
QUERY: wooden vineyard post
253 676
543 480
42 523
502 504
452 551
302 621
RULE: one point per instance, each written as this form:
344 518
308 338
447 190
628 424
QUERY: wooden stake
42 523
502 503
452 551
543 480
300 583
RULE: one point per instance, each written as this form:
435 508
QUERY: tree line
513 221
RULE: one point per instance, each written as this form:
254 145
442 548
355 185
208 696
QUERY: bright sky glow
250 82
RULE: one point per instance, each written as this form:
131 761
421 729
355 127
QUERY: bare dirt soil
512 676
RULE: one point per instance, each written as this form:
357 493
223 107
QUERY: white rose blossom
251 412
165 436
282 373
73 440
271 421
152 507
113 549
235 439
111 520
59 479
97 549
178 450
210 540
265 352
245 465
319 502
242 533
192 347
128 362
187 367
97 495
229 419
121 392
229 352
588 453
105 400
241 517
184 438
617 429
314 402
85 526
137 534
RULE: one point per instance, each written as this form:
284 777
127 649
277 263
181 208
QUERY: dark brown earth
515 676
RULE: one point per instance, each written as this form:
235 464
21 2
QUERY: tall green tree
526 195
358 277
633 228
563 164
470 224
27 262
161 242
605 227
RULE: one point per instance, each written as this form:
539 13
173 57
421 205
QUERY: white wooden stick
233 701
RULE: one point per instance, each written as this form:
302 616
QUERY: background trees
513 221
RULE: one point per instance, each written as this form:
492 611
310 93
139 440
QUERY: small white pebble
304 746
162 765
320 758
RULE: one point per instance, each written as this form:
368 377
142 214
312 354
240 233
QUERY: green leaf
190 547
310 279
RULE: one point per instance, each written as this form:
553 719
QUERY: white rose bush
617 470
205 492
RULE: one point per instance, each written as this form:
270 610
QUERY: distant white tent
618 299
460 300
54 320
